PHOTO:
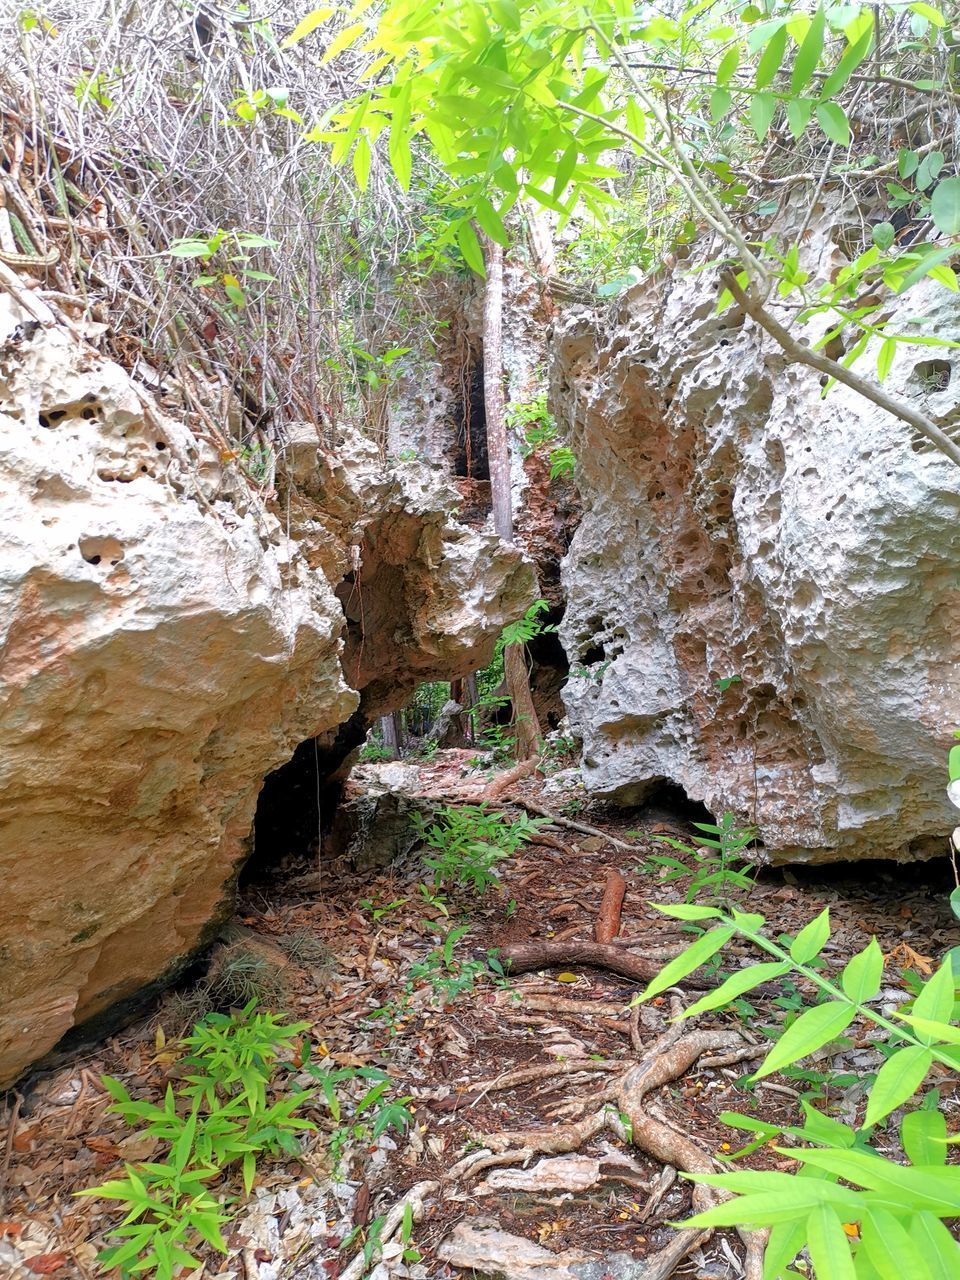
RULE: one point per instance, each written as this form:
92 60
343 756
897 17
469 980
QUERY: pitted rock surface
763 594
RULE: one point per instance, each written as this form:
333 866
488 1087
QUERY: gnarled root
667 1058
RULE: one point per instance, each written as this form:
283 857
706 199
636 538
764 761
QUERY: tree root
478 1161
524 1075
608 920
561 1004
669 1057
528 956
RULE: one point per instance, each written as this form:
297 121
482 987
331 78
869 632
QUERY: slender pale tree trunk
526 723
390 732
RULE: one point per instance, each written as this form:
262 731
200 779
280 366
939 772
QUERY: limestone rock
492 1252
424 596
161 650
166 641
763 599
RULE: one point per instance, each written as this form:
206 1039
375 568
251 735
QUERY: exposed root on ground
527 956
668 1058
524 1075
608 919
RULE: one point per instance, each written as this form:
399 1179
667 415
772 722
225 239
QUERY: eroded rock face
424 596
763 600
164 644
159 655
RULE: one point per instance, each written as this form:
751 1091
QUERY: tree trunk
391 736
471 702
525 720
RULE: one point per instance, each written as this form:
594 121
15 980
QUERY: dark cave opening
471 461
298 801
669 797
549 669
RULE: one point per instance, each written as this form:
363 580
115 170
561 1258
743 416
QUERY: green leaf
686 910
564 171
769 63
828 1244
813 1029
863 974
720 102
933 1242
788 1201
936 1000
799 111
361 161
930 167
953 765
761 112
694 956
885 357
923 1136
491 222
926 264
907 163
728 65
398 148
189 249
845 68
184 1144
785 1242
930 1031
929 12
808 55
745 980
887 1245
945 206
306 25
811 939
470 247
340 42
935 1189
833 122
883 234
897 1080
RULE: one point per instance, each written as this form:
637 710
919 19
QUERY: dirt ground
473 1056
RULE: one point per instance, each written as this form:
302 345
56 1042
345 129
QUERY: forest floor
492 1082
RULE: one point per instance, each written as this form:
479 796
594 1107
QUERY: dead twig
573 825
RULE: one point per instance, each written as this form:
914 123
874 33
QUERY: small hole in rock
96 549
932 375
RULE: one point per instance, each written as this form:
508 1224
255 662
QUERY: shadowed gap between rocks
298 801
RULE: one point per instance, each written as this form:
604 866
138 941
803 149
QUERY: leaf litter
487 1063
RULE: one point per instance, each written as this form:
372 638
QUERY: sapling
898 1209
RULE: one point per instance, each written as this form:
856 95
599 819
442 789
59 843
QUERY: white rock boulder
764 592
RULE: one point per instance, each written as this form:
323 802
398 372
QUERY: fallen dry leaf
45 1264
904 954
